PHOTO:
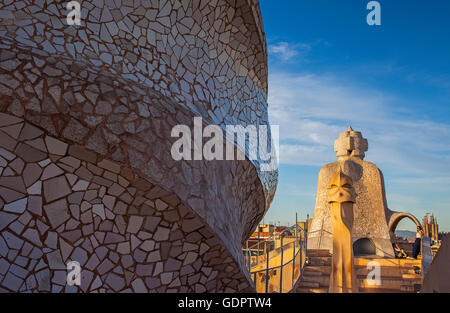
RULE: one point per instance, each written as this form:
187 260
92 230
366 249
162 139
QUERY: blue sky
329 69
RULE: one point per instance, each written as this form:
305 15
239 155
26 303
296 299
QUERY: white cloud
286 51
313 109
401 201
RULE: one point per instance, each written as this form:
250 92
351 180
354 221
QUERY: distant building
259 242
263 231
306 224
430 227
268 237
402 239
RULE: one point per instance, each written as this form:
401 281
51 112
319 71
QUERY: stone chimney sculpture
373 222
341 197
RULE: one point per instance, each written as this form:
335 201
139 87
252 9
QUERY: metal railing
281 267
259 257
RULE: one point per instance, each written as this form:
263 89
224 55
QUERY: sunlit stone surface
372 219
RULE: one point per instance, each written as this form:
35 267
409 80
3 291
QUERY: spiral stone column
86 173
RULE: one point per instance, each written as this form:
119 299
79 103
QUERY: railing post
267 270
301 254
306 232
293 267
296 230
281 271
249 261
265 248
259 238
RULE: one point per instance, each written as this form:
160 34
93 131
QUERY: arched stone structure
363 247
396 217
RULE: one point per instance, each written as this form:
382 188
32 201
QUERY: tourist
417 243
399 253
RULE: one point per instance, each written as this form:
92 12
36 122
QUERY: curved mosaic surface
85 144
